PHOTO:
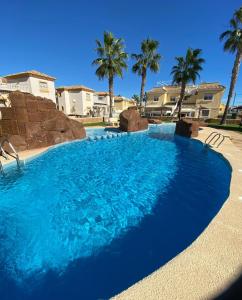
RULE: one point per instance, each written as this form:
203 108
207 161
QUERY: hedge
226 127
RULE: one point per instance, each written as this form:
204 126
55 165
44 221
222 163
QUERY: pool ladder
215 137
5 154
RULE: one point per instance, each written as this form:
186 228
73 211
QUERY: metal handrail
5 153
1 167
212 136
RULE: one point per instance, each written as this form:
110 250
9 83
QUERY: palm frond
111 56
187 68
148 58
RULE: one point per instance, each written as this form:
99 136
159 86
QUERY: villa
202 100
80 100
34 82
75 99
122 103
101 104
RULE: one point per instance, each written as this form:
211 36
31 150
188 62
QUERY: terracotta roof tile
33 73
75 88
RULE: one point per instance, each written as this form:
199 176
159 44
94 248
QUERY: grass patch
95 124
232 127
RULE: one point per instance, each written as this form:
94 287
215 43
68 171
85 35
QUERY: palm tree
147 59
111 61
238 15
136 98
186 71
233 44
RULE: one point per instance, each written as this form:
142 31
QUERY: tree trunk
234 77
110 85
142 89
182 94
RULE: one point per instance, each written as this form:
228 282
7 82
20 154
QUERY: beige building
34 82
202 100
221 109
75 100
122 103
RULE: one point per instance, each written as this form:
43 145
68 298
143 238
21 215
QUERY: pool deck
214 259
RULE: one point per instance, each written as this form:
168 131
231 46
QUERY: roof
32 73
75 88
3 80
157 90
120 98
211 86
176 88
102 93
237 107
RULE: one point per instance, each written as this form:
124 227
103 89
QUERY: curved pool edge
197 264
213 261
28 155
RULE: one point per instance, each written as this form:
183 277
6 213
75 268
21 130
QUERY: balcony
10 87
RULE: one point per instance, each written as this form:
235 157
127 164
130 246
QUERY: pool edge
211 262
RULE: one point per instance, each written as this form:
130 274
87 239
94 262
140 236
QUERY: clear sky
58 37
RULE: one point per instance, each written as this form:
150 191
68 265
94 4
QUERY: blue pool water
87 220
100 131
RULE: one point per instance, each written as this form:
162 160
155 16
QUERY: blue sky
58 37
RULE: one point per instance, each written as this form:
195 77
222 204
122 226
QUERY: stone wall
34 122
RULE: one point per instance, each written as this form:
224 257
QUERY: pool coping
213 261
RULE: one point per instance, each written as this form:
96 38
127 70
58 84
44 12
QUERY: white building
75 100
34 82
101 104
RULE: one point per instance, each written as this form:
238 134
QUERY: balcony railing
23 87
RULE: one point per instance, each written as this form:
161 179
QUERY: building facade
75 100
202 100
122 103
34 82
101 104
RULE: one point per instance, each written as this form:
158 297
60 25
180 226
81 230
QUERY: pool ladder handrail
216 135
5 153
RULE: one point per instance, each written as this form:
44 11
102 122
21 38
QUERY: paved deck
214 259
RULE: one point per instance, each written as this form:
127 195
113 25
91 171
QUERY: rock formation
187 128
33 122
154 121
130 120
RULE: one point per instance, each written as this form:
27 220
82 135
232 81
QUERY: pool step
107 136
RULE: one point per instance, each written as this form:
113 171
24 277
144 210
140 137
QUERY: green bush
232 127
95 124
228 121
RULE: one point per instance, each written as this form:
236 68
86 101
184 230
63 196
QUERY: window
88 97
43 85
156 99
100 98
208 97
173 99
205 112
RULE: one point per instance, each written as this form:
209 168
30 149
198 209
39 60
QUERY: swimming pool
92 132
86 220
